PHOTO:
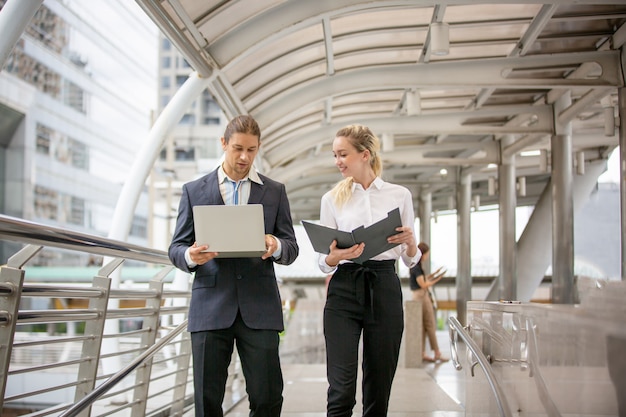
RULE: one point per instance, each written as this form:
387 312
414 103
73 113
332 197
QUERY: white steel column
14 17
464 258
426 208
171 115
507 203
562 208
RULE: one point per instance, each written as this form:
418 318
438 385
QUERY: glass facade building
77 96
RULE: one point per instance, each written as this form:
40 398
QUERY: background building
75 104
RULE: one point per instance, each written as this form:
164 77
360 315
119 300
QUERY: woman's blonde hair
362 138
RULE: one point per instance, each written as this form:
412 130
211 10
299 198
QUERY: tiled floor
432 390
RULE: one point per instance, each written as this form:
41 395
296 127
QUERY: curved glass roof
304 69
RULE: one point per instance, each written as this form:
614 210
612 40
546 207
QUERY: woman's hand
336 255
436 276
406 237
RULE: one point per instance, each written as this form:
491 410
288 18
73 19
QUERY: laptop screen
233 231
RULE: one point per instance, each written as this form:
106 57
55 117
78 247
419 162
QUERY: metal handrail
12 228
90 398
498 392
83 355
14 287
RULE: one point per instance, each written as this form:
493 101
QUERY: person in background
363 299
420 289
236 299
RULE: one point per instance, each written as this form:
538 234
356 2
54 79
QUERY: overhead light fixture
544 161
439 38
609 121
413 103
476 202
521 186
388 142
491 186
580 163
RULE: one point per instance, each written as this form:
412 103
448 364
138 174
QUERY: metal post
182 375
464 263
621 93
562 209
536 240
144 371
507 203
427 208
11 283
91 349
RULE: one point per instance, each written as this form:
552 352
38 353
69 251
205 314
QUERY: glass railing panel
552 360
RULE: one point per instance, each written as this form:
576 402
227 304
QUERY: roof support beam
538 120
198 59
416 155
483 73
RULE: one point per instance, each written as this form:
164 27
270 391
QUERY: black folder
375 236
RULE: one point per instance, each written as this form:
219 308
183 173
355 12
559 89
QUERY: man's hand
271 245
198 256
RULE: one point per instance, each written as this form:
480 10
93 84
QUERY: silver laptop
233 231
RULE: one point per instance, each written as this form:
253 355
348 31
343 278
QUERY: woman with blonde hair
363 299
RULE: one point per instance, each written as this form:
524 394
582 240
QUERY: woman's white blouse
366 207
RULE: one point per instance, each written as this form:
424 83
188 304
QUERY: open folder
375 236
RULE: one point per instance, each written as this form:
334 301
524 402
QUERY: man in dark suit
236 299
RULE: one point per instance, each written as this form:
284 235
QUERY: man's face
239 153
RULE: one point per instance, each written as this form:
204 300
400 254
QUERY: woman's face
348 159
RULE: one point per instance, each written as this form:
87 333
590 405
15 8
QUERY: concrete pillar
411 348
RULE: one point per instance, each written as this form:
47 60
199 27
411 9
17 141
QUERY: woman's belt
367 274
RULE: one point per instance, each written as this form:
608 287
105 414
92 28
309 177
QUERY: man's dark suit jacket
222 286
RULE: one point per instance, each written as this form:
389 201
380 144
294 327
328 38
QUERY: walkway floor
432 390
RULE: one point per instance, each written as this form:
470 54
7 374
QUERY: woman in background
420 288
